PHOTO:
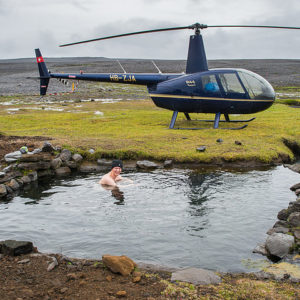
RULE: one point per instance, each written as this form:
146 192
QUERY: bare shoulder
107 180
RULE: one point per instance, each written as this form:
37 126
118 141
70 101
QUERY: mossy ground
138 129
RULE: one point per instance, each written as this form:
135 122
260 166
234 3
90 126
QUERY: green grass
138 129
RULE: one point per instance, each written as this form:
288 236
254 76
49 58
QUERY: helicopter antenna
159 71
121 66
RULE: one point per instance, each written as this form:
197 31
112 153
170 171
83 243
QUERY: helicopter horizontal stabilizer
44 74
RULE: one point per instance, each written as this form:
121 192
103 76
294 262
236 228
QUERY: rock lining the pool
22 169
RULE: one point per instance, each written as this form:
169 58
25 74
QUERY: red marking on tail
39 59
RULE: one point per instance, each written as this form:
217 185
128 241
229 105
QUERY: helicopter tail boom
128 78
44 74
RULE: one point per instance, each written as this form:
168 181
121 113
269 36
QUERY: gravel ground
16 75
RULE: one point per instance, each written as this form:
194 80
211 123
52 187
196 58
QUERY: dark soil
79 279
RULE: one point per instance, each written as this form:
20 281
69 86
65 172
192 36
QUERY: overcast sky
29 24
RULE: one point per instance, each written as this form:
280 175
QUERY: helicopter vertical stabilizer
44 74
196 61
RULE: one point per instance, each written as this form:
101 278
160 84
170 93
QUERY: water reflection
209 219
118 195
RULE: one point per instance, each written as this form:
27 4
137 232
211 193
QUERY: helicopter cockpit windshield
256 86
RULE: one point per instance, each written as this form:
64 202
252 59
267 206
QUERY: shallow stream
179 218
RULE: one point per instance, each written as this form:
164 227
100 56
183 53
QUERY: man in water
113 176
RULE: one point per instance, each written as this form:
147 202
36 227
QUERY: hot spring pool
179 218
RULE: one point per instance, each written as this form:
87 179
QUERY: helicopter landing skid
216 122
200 128
231 121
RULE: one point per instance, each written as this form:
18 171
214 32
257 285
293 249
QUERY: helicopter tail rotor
44 74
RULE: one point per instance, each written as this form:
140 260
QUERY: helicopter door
210 86
232 86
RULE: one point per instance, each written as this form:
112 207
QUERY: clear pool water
179 218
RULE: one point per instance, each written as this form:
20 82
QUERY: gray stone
297 192
279 244
104 162
53 264
296 233
146 164
25 179
14 248
278 230
65 155
281 223
294 206
56 163
3 190
47 147
168 163
201 149
63 171
294 167
295 187
196 276
92 151
260 249
283 214
8 168
294 219
77 157
33 176
24 261
219 141
14 184
71 164
2 174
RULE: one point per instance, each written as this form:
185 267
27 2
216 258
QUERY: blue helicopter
198 90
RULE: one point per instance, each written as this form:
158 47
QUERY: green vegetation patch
138 129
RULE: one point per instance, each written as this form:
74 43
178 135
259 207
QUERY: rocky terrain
19 76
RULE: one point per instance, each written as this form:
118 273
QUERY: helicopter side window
210 85
232 86
257 87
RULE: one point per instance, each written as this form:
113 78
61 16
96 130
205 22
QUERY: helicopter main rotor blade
255 26
195 26
127 34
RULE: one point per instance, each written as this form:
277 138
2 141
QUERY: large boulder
14 248
279 244
119 264
196 276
